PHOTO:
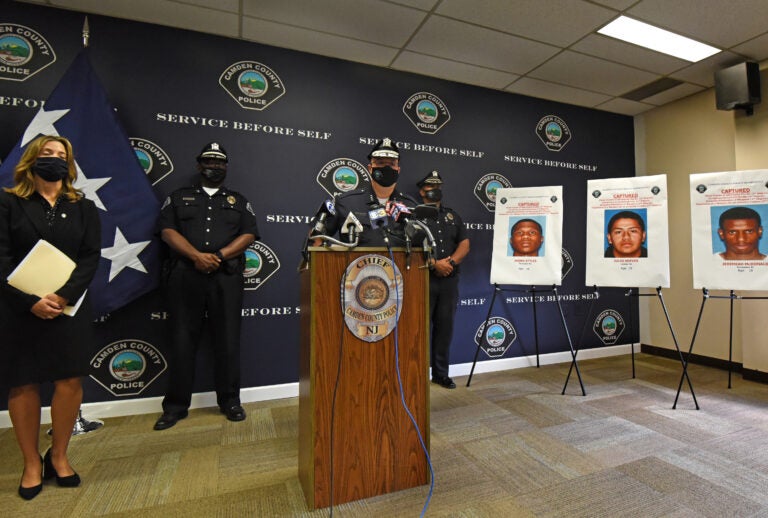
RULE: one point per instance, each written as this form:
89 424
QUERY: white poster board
627 232
528 236
728 213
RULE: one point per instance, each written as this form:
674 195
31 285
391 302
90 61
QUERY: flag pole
83 425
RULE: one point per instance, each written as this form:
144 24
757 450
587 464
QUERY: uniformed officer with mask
384 171
452 248
207 227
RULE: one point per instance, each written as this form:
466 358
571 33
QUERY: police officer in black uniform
207 227
384 170
452 248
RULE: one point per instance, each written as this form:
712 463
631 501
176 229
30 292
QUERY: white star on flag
89 187
124 255
42 124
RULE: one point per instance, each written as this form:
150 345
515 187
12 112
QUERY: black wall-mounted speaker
738 87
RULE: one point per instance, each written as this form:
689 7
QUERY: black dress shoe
28 493
49 472
444 381
169 419
234 413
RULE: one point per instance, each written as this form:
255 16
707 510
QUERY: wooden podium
375 447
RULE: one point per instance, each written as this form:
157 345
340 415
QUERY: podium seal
371 299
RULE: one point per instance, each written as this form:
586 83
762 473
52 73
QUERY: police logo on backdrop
486 187
372 297
342 175
153 159
127 367
23 52
261 263
553 132
253 85
499 335
566 262
608 326
427 112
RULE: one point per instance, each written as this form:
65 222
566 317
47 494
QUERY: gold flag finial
86 32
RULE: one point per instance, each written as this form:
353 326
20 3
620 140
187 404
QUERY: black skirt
37 350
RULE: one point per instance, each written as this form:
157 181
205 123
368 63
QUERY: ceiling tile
703 72
425 5
597 75
317 43
222 5
673 94
624 106
163 12
565 94
717 22
357 19
559 22
755 50
510 45
452 70
474 45
616 4
631 55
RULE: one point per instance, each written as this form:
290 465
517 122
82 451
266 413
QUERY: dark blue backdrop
155 76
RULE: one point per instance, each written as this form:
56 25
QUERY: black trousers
190 295
443 298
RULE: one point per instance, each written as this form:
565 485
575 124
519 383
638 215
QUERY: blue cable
402 395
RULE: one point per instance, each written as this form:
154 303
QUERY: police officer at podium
207 228
355 213
452 247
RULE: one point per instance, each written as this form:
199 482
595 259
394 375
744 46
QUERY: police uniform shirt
209 223
360 203
448 231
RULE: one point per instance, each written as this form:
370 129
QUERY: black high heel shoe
28 493
49 472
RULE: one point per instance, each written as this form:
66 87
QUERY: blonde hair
23 177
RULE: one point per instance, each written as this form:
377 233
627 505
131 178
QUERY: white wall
692 136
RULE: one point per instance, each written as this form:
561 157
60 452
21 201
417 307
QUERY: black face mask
214 175
434 195
51 168
385 176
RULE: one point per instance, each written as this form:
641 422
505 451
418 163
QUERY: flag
110 175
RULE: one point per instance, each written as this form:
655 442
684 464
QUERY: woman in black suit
40 343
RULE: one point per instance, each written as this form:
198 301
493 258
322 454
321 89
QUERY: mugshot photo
526 236
626 234
737 232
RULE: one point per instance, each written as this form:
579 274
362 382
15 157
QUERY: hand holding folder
44 270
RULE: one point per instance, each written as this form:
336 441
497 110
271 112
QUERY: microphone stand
407 252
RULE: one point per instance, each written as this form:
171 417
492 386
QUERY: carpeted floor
510 445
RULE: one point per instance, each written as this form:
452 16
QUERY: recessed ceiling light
653 38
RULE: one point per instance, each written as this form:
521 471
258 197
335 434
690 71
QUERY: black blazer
76 232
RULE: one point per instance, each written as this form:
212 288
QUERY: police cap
213 150
384 148
432 178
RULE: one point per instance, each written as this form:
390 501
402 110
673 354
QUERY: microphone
378 217
351 226
398 210
319 219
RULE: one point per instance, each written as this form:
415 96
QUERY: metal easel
534 291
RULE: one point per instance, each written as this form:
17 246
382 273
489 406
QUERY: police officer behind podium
356 207
452 248
207 227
